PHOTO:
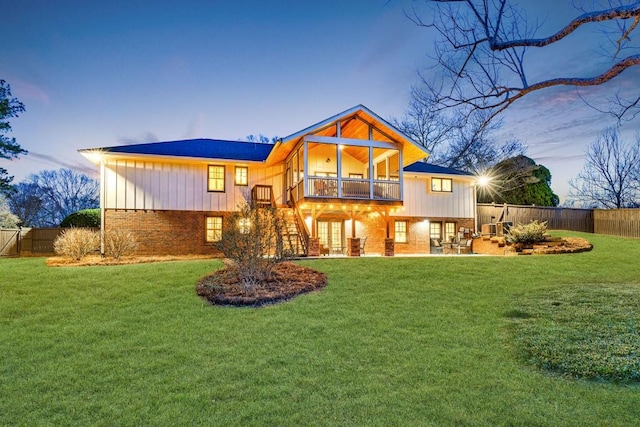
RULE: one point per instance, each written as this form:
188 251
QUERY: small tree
252 238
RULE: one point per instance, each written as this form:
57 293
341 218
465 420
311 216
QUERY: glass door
331 235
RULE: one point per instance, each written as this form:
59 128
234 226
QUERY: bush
118 243
252 238
83 218
528 233
77 242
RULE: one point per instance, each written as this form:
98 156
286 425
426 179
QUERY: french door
331 235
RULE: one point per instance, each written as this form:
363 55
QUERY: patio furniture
436 247
465 246
363 242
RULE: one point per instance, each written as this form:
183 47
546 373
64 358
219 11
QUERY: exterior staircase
295 238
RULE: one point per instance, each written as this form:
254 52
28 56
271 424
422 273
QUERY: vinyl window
441 185
401 231
213 229
215 178
242 175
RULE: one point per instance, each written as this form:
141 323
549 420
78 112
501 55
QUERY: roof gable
352 121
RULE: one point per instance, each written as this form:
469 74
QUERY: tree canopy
46 198
610 177
9 148
519 181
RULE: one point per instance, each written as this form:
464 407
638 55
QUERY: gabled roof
422 167
412 151
195 148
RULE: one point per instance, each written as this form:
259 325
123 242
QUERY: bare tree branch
481 53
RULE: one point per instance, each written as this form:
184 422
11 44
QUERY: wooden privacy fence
28 241
617 222
557 218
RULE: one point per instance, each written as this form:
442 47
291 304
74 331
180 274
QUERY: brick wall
183 232
165 232
418 238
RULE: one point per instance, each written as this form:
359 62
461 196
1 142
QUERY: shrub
527 233
118 243
252 238
77 242
83 218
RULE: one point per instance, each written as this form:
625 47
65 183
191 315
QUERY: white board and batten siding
152 185
421 202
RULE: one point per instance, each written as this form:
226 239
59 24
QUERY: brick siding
165 232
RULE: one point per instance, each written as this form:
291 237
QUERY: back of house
350 184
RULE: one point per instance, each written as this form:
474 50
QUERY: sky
102 73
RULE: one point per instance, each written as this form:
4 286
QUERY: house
349 183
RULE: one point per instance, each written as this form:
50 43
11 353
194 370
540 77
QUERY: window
355 175
435 229
401 231
449 231
242 175
441 185
213 229
244 225
215 178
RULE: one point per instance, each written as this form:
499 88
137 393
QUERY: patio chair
436 246
465 246
363 241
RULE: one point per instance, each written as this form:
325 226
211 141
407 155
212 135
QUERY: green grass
400 341
586 331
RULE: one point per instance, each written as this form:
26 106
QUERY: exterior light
483 180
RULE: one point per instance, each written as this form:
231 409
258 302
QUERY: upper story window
215 178
242 175
441 185
401 231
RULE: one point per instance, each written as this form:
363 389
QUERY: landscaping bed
286 281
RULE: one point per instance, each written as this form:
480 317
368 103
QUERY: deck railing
353 188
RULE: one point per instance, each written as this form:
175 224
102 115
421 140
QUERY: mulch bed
287 281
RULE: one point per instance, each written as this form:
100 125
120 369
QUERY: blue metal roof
423 167
200 148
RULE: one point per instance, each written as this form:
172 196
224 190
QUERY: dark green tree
519 181
9 148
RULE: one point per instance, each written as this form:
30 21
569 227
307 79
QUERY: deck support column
353 248
389 247
314 247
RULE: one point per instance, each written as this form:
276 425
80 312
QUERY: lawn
389 341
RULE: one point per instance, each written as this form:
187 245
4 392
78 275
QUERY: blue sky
106 73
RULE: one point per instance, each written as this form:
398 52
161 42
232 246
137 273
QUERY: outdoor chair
465 246
436 247
363 242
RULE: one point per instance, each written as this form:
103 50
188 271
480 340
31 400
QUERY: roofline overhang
95 155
